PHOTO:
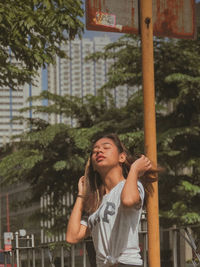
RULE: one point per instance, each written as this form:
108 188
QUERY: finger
148 162
81 180
149 166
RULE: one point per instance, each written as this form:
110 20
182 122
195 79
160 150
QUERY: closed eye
107 146
104 146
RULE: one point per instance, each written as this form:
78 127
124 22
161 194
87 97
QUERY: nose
99 150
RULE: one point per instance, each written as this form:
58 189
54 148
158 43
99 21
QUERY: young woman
112 194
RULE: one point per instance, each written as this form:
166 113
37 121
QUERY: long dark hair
94 188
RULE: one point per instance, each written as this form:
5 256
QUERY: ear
122 157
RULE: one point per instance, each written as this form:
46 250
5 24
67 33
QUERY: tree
51 158
32 33
177 69
46 151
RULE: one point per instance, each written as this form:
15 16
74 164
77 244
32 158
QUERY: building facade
11 101
73 76
77 76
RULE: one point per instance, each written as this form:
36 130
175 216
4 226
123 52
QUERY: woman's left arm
130 195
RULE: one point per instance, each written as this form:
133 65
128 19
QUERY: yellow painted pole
150 127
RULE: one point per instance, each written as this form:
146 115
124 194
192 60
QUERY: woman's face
105 154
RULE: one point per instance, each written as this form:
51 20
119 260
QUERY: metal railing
25 253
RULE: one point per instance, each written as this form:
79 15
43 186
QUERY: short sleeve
141 191
84 220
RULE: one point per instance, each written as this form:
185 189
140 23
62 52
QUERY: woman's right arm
75 230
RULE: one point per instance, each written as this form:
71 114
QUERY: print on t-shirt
109 210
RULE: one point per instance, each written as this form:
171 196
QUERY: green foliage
189 189
126 57
32 33
177 83
52 157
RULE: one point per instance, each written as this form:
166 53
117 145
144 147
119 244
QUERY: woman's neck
111 178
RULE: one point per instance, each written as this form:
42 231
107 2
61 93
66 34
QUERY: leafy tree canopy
54 155
31 35
51 158
177 72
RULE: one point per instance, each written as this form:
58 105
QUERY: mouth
100 158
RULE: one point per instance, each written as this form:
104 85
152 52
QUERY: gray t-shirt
114 229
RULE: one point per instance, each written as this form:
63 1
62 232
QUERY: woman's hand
81 186
141 165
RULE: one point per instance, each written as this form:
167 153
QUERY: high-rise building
11 101
77 77
73 75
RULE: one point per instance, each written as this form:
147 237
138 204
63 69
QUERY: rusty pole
146 27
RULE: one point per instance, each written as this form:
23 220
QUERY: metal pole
145 249
42 256
5 257
28 250
174 244
13 259
144 237
62 256
7 213
84 255
33 249
146 27
72 256
17 248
